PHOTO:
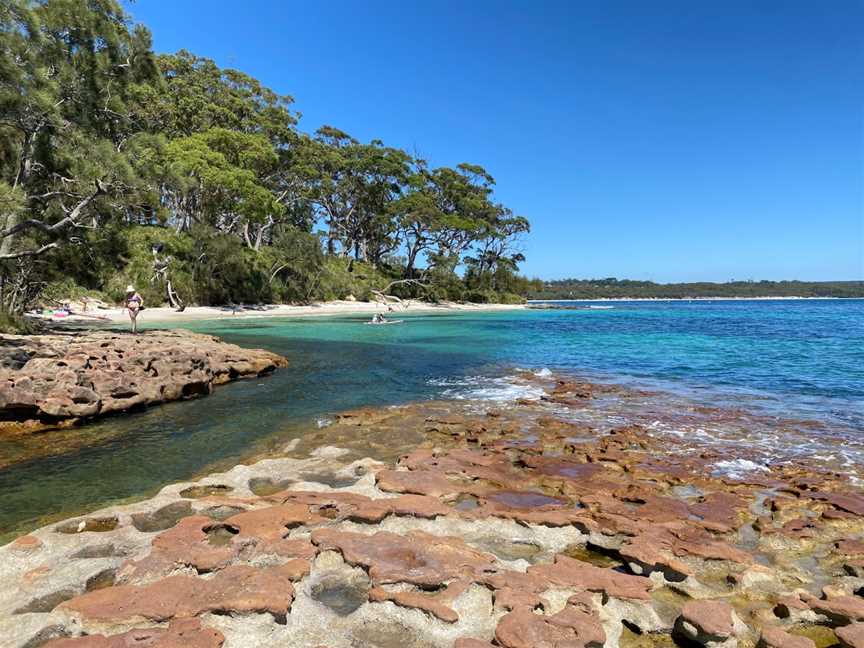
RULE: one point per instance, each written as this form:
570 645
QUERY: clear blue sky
650 140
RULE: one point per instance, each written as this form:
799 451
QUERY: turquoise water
796 358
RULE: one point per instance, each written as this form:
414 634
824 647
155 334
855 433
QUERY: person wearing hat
134 303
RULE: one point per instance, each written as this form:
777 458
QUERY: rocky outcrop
66 376
506 528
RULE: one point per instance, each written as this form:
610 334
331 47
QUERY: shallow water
794 359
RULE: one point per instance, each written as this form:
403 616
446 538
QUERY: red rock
418 482
773 637
711 619
239 588
569 572
851 636
417 557
724 510
850 502
576 626
36 574
508 598
787 606
840 609
90 373
360 508
181 633
186 543
26 543
272 523
849 547
418 601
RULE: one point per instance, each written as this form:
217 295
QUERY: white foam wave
737 468
484 388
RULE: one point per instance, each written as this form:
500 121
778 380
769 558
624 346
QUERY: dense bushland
118 165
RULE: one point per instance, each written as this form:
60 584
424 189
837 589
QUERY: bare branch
70 220
30 253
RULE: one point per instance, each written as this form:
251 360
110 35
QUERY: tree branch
70 220
30 253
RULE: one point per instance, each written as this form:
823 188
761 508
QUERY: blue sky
673 141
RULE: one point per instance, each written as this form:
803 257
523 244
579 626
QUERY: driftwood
383 297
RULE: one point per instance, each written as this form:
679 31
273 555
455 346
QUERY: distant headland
611 288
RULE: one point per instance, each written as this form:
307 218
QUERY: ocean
785 377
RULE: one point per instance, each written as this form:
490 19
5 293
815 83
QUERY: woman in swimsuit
134 302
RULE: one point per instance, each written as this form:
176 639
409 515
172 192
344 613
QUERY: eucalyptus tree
443 212
352 185
67 70
228 159
495 252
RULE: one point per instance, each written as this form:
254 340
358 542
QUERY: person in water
378 318
134 303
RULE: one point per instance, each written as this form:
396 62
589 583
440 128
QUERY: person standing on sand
134 303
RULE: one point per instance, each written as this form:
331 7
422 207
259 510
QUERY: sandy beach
191 313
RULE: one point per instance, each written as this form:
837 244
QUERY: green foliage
119 166
16 324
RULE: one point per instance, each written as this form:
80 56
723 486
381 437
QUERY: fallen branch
384 298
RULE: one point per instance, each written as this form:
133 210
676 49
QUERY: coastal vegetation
628 289
119 165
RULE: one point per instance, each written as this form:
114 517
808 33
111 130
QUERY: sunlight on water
799 359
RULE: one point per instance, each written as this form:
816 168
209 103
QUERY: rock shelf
508 527
68 376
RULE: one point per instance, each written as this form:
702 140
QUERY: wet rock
97 551
263 486
387 635
342 593
89 525
461 538
45 635
47 602
101 580
328 479
507 549
222 511
205 490
794 609
162 518
181 633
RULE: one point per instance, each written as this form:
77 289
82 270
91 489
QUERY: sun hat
130 288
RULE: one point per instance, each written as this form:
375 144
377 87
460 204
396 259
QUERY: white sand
151 315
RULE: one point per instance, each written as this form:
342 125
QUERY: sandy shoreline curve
192 313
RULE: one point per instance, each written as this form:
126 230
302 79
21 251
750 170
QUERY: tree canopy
115 160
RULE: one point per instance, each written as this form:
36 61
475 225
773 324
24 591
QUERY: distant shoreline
653 299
